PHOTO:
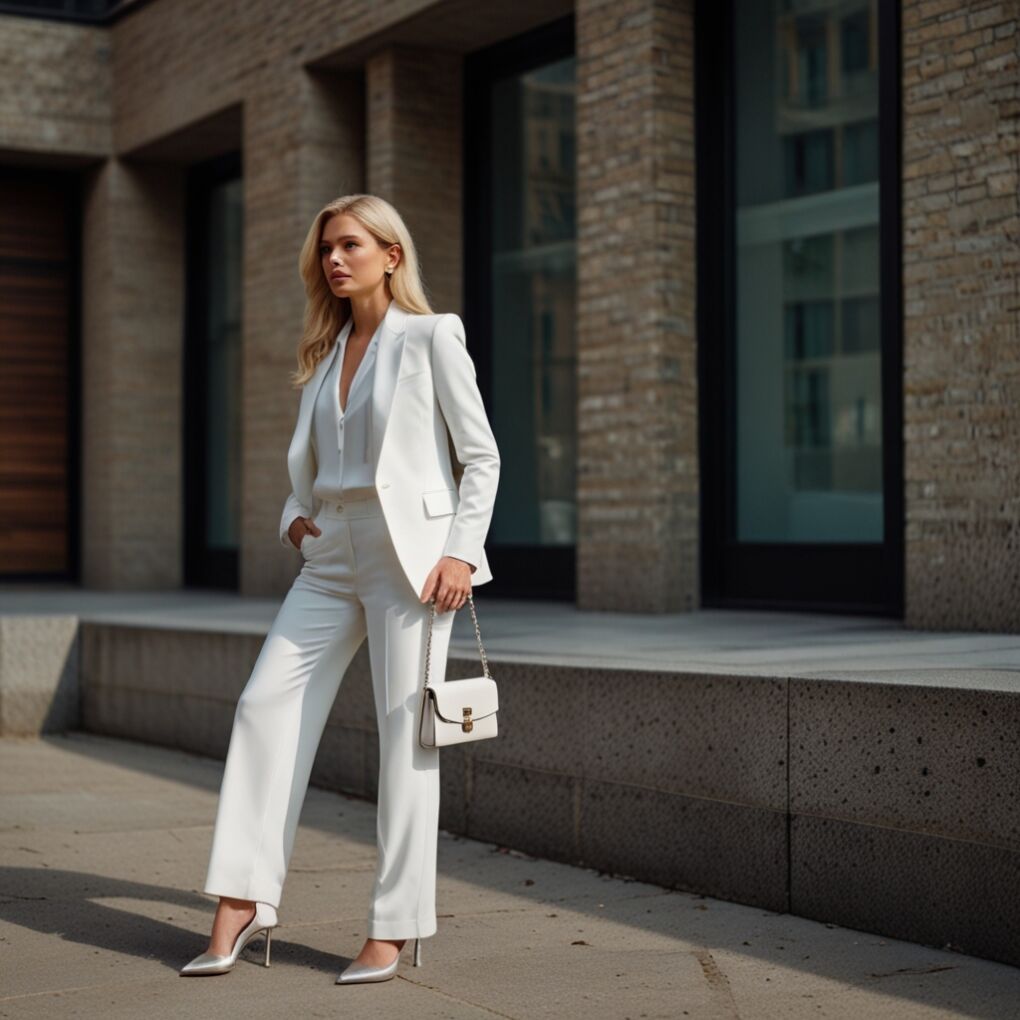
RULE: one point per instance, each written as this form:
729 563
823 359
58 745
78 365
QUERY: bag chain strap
478 635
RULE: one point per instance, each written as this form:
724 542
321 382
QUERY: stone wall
961 252
637 420
56 103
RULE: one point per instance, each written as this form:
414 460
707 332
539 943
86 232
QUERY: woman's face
353 262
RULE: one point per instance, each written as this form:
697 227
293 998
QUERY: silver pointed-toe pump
265 919
358 972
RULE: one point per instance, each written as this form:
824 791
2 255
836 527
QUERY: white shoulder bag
456 711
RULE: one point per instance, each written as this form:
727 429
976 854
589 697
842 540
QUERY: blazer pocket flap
454 699
441 501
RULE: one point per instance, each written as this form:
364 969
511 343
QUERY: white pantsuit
385 521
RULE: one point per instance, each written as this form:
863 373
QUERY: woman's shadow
63 903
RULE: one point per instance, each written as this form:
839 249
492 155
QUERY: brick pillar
961 351
638 527
303 146
414 157
132 322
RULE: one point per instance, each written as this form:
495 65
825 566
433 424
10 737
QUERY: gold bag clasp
468 724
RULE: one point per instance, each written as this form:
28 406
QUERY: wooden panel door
36 283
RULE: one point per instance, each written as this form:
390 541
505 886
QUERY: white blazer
424 394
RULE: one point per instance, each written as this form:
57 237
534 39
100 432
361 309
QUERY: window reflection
533 289
809 429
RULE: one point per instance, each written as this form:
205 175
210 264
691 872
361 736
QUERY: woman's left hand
450 581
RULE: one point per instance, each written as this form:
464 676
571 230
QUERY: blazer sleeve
453 374
291 509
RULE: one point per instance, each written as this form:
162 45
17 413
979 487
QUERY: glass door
799 328
520 232
212 374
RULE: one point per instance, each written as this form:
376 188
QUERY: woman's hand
450 581
299 527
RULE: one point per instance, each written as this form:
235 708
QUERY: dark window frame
203 567
864 578
87 12
514 567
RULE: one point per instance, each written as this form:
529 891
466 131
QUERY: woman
383 529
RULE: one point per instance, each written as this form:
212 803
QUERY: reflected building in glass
534 299
809 341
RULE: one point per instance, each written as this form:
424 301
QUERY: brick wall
132 325
57 94
961 349
638 526
414 157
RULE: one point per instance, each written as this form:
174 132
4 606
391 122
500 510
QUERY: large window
99 12
804 508
212 383
521 296
809 407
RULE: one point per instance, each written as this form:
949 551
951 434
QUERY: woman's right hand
299 527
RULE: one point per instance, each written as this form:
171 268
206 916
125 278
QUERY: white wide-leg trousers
351 585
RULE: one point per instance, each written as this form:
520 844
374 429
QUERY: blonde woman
383 528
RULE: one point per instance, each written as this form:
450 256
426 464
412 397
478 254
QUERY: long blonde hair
325 313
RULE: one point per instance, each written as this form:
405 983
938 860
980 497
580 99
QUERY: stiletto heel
361 972
265 920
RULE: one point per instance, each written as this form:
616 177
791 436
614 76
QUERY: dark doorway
799 294
212 373
520 298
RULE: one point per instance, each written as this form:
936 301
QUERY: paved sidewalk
104 844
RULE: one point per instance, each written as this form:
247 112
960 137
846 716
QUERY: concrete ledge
942 892
179 688
935 761
885 802
905 812
844 801
38 674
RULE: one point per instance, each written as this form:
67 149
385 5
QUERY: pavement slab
103 849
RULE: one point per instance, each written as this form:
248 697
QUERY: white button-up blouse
342 437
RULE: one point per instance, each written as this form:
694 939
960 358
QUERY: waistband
345 509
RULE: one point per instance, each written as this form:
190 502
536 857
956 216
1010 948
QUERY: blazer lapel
388 356
299 461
